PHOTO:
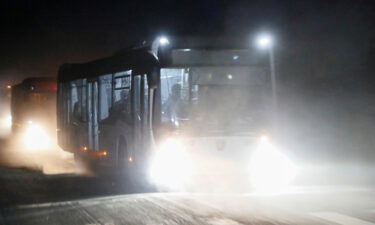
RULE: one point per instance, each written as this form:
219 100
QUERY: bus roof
145 56
209 42
126 60
37 84
32 80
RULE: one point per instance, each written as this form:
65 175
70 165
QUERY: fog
326 131
49 161
14 153
330 133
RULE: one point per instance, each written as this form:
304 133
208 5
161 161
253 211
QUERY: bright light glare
6 121
5 125
264 138
171 166
264 41
35 138
163 41
270 170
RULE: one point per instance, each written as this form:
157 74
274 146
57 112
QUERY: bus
173 111
33 111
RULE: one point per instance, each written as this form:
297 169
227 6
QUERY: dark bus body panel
100 111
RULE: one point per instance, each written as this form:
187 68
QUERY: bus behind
33 110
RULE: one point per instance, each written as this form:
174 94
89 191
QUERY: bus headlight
6 122
35 137
170 165
270 170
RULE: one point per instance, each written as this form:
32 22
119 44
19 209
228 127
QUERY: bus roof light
163 41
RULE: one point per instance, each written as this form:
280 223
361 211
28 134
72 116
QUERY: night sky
316 40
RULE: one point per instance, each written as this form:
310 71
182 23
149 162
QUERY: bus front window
174 95
213 98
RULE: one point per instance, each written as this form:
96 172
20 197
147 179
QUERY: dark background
324 54
330 42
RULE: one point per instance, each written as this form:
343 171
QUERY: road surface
332 206
29 196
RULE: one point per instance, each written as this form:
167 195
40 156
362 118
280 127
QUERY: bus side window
105 95
78 100
121 95
83 100
65 104
74 101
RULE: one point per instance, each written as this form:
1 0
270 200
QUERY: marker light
264 41
163 41
99 154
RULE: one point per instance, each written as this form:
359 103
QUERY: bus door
92 114
140 113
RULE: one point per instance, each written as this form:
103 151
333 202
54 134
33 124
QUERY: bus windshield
39 104
217 99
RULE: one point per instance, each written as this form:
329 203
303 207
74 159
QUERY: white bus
175 111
